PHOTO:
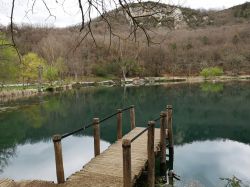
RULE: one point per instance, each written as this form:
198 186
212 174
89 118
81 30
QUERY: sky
67 12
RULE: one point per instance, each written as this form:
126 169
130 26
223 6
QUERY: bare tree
134 10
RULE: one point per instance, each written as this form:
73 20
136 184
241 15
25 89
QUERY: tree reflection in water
198 116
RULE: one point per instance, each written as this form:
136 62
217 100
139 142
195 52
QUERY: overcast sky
68 13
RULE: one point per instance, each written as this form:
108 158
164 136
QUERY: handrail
144 130
92 124
157 119
166 122
96 127
137 136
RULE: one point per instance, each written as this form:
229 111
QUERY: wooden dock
119 165
107 168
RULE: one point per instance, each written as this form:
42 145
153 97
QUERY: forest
221 42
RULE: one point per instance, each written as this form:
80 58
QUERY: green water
211 129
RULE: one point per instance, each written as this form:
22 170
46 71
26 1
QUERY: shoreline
10 95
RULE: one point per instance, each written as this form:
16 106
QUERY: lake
211 124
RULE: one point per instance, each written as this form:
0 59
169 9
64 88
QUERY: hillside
175 17
234 15
190 40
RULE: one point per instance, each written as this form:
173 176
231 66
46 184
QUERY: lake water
211 129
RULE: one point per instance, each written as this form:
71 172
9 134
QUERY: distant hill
175 17
234 15
190 40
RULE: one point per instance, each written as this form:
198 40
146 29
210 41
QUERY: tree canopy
8 61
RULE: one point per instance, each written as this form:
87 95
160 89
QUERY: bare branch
12 31
50 14
83 19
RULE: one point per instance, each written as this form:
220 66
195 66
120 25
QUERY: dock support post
151 154
126 149
96 136
119 124
170 135
58 158
163 126
132 117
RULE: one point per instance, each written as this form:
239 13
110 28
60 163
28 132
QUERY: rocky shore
7 95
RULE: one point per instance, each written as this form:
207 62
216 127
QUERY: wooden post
58 158
119 124
96 136
151 154
171 177
169 125
163 125
132 117
170 135
126 149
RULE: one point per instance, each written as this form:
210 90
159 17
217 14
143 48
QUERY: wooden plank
26 183
107 170
7 183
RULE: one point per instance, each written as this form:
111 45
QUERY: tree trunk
124 73
23 82
76 76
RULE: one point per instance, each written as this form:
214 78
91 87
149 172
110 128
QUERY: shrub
132 67
51 74
205 40
99 70
113 68
211 72
106 69
235 39
235 62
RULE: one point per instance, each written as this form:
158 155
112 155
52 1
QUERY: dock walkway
107 169
119 165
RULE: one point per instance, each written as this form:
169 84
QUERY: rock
107 83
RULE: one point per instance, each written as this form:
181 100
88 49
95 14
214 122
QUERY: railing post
170 134
132 117
126 149
151 154
96 136
163 145
119 124
58 158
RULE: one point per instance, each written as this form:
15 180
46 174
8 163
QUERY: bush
236 63
51 74
99 70
211 72
132 67
205 40
106 69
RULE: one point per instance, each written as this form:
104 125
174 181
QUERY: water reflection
205 162
211 87
39 157
198 116
5 156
